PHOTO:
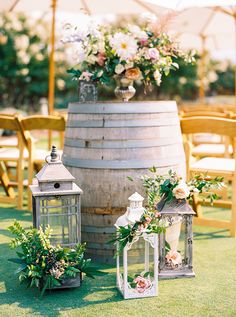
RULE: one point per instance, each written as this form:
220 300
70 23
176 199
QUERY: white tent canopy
92 7
183 4
215 26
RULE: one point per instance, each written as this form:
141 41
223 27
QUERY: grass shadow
92 292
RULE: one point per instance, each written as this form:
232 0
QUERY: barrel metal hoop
126 144
122 123
108 164
126 107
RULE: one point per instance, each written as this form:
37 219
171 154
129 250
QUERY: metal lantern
137 265
56 202
176 244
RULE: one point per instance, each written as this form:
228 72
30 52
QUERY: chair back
39 122
48 123
8 122
202 124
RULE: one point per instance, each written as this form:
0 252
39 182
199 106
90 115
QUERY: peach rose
133 73
101 59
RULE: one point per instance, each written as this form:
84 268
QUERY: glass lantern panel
65 228
59 205
140 261
175 243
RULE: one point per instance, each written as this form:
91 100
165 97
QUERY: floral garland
169 186
172 185
135 53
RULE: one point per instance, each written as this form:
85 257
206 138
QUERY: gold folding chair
212 165
209 144
36 156
12 154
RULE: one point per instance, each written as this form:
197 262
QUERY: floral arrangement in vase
128 54
46 266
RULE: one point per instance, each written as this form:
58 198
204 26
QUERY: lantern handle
53 157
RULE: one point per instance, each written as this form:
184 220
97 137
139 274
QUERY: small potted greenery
46 266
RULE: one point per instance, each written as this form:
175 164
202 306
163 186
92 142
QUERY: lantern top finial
54 170
54 156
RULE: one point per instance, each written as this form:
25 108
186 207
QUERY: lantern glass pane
140 262
61 213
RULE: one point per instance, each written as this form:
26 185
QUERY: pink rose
157 214
153 53
148 220
101 59
174 258
143 42
142 284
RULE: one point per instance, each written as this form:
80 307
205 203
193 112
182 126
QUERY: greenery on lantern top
46 266
172 185
149 222
136 53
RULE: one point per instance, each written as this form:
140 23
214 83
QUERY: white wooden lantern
137 266
56 202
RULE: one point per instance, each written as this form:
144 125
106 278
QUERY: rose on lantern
181 191
142 284
174 258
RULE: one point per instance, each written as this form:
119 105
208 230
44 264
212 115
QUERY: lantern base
175 274
69 283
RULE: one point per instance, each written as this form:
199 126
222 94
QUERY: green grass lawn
211 293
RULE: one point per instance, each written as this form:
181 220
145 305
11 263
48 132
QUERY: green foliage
149 222
43 265
224 83
24 63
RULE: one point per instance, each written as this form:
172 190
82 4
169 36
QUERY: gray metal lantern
176 244
56 202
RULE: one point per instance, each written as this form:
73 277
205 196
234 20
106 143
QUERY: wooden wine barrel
107 142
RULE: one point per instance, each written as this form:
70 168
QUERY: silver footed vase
125 90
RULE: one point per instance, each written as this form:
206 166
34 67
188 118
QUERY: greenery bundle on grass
46 266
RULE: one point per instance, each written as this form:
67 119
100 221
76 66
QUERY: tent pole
235 58
51 62
202 70
51 84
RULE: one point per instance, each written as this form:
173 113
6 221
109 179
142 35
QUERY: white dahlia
124 45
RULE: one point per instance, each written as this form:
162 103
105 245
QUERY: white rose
181 191
119 69
157 77
129 65
100 73
91 59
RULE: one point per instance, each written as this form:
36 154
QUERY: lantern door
137 267
175 247
62 214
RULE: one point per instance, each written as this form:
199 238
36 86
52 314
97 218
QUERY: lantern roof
174 206
136 197
54 170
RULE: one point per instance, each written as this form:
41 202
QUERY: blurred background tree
24 64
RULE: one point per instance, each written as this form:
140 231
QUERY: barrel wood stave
106 143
